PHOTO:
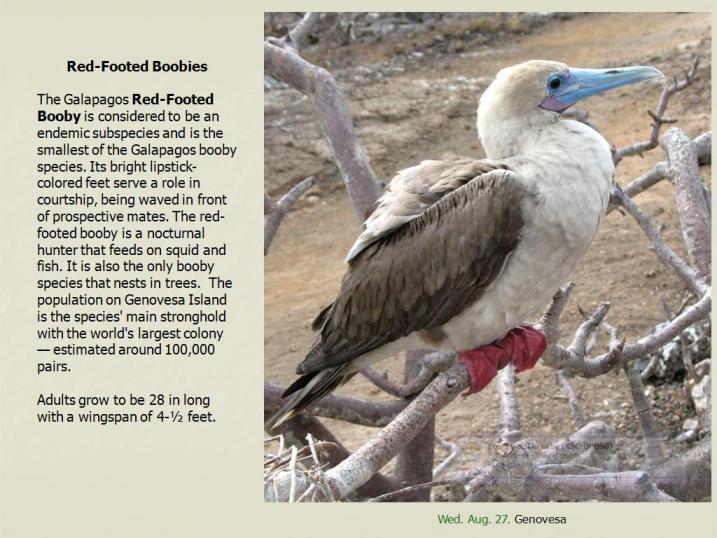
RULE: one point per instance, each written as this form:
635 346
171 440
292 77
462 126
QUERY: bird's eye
554 83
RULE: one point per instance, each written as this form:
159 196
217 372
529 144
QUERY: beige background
191 480
132 480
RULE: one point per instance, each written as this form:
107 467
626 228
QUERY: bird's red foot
523 346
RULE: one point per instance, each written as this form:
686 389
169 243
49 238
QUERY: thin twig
588 327
372 456
454 451
274 212
417 487
658 117
292 469
660 171
666 255
382 381
430 365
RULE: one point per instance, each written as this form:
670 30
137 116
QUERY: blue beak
578 84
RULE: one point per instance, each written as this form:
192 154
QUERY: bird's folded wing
414 190
420 273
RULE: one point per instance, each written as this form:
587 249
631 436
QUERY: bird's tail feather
306 390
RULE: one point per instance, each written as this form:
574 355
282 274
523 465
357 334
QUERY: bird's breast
562 215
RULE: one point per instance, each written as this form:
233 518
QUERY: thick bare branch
654 453
333 112
371 457
688 476
509 415
632 486
703 147
689 196
296 430
505 478
516 475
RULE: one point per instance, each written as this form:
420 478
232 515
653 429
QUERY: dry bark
335 119
692 206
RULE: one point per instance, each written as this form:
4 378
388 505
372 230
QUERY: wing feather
424 272
414 190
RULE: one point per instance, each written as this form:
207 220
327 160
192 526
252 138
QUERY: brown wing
424 272
414 190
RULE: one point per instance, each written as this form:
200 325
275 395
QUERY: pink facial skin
551 103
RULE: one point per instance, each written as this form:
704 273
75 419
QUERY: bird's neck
508 136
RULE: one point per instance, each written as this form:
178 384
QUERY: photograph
487 257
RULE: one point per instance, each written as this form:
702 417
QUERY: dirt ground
413 96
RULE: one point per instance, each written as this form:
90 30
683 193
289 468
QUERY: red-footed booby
458 254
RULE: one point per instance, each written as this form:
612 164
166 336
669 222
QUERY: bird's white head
531 95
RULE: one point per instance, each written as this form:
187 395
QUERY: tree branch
628 486
296 430
703 147
595 434
274 212
557 356
430 365
654 453
414 463
353 410
371 457
297 36
573 401
454 451
667 256
687 476
333 112
658 116
689 196
509 415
